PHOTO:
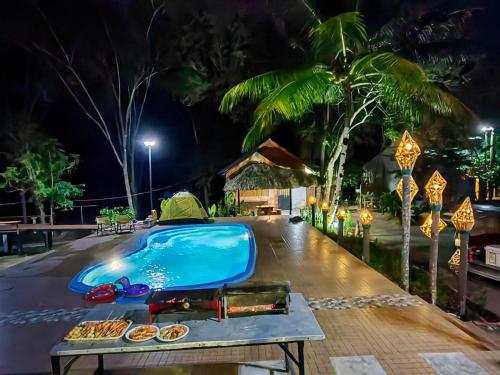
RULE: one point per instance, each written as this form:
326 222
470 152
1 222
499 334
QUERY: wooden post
325 221
406 221
340 231
290 199
462 273
433 258
313 213
366 243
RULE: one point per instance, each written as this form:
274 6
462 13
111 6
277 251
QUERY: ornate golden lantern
325 207
413 188
312 200
366 216
341 213
407 153
426 227
463 218
434 188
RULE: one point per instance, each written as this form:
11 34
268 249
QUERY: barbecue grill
250 298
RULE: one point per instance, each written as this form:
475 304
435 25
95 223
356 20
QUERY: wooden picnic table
298 326
16 227
267 209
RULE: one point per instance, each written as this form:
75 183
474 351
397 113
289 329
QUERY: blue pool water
180 257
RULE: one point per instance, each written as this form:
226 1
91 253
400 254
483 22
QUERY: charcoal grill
256 298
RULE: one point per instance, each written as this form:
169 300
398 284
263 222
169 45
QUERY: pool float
102 293
132 290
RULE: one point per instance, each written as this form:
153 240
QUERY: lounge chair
104 223
123 222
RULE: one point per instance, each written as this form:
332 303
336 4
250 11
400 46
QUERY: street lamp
325 207
366 218
463 220
150 143
407 153
341 215
413 189
312 203
434 189
490 142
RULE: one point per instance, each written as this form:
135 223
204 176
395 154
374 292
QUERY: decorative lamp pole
434 189
150 144
406 156
312 203
325 207
366 218
463 220
341 215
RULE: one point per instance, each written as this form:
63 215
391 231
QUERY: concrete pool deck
37 309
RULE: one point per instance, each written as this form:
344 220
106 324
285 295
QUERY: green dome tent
182 207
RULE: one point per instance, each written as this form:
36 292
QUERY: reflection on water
181 256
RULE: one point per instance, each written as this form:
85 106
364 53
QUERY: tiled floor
314 264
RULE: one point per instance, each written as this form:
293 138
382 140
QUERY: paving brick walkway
395 336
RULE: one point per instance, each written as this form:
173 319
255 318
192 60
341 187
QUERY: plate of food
172 332
98 330
142 333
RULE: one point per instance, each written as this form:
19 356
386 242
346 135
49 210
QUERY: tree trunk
22 195
322 172
41 211
344 142
126 180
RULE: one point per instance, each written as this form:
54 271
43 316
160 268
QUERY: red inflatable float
102 293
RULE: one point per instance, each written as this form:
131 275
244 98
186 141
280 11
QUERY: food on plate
173 332
102 329
143 333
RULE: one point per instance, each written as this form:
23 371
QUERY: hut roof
256 176
269 153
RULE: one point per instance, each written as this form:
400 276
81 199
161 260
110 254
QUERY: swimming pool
180 258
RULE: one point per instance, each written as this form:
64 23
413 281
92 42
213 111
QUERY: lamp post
434 188
325 207
406 156
312 203
150 144
463 220
366 218
341 215
490 142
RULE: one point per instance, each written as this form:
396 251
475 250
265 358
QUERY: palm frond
256 88
297 98
405 86
293 101
339 36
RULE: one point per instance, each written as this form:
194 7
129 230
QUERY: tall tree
41 171
342 74
109 73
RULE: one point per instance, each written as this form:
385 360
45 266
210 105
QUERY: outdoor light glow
366 216
463 218
325 206
341 213
407 152
149 143
435 187
308 170
487 128
426 227
312 200
115 265
413 189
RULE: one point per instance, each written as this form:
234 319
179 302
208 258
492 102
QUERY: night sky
179 160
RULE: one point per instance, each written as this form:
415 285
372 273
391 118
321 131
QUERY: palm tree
343 74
